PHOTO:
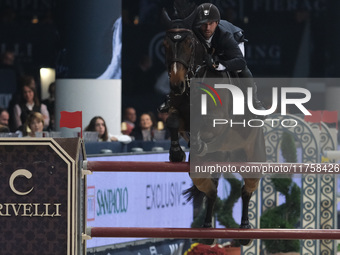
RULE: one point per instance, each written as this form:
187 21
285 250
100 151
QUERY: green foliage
286 215
288 148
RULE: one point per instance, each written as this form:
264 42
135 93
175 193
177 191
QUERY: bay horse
185 56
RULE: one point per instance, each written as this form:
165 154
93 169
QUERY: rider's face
208 29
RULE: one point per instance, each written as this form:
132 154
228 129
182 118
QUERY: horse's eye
188 43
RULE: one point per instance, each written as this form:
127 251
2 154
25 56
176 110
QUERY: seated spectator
145 130
4 117
29 102
34 123
98 124
161 124
129 119
4 129
50 102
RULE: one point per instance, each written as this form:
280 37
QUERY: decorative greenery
288 148
286 215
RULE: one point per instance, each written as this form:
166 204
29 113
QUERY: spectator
8 62
50 102
4 129
7 59
34 123
130 118
153 119
16 98
145 130
28 103
98 124
4 117
162 117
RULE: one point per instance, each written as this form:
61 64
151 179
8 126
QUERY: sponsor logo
27 209
112 201
164 195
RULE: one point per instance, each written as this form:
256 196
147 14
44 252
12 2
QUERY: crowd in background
27 114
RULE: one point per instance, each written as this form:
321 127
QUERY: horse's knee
172 121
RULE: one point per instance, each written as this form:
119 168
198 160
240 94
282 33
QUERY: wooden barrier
135 166
288 234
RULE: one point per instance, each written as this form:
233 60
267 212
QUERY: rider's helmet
207 12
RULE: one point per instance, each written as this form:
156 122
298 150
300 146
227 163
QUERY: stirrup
165 106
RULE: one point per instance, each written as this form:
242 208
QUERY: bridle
177 35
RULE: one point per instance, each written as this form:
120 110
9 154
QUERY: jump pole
135 166
188 233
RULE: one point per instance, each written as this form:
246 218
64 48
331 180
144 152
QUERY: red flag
71 120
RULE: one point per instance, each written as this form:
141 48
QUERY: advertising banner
137 199
38 197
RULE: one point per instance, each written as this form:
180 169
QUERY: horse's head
180 44
181 52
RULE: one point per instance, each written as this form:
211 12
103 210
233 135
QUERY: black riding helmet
207 12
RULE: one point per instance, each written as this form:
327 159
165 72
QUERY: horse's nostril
182 86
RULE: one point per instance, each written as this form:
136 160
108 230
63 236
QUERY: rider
225 43
225 46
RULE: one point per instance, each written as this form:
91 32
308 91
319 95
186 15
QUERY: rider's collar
208 41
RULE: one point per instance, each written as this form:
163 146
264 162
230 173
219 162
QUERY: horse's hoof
205 240
177 156
245 242
207 225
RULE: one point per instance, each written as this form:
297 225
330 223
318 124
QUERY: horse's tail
194 192
191 193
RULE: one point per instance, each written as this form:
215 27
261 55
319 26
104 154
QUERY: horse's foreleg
245 204
247 190
176 152
245 219
210 208
209 187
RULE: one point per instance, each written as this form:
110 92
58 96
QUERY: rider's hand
211 62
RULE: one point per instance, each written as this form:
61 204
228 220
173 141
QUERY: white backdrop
91 96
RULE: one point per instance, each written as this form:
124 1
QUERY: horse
185 55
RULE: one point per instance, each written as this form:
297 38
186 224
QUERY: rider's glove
211 61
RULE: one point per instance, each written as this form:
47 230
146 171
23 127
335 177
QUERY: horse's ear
166 19
189 21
